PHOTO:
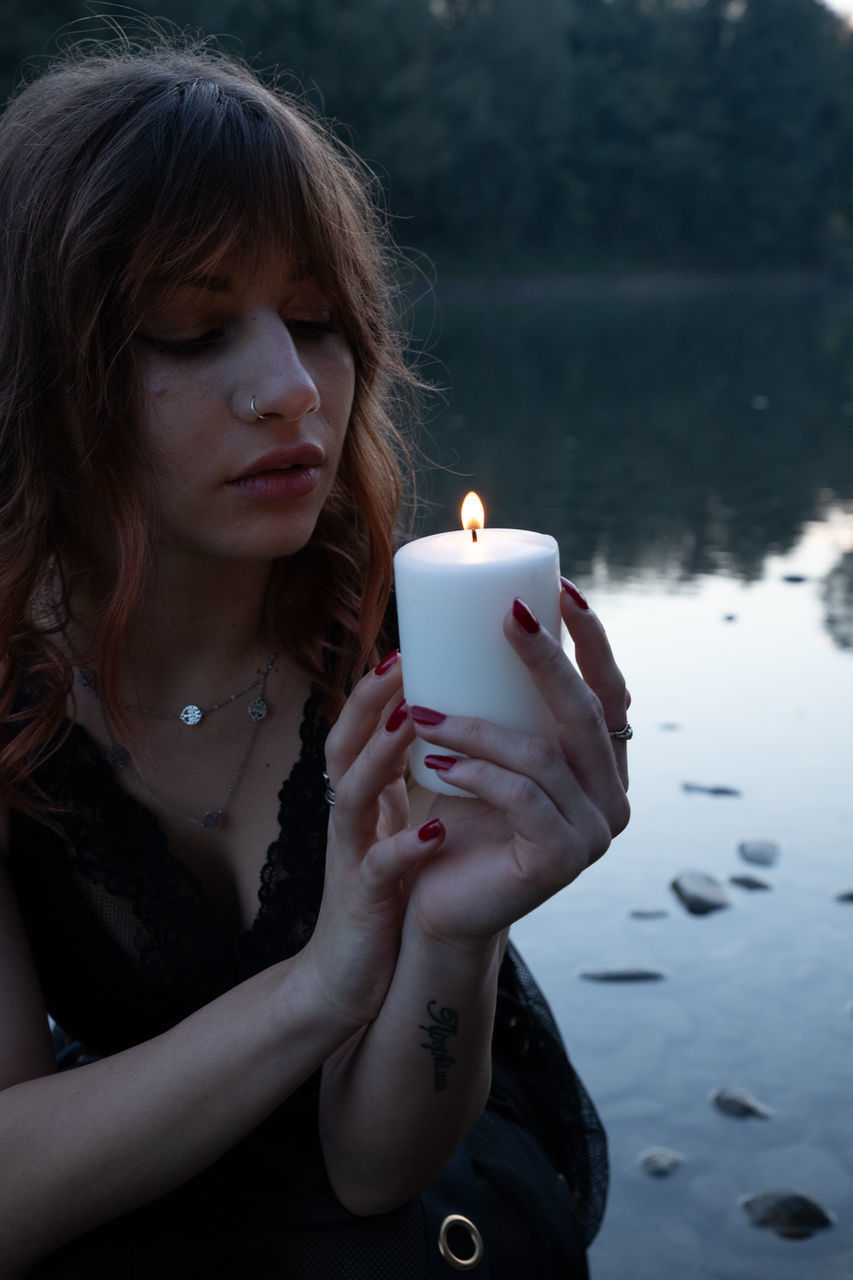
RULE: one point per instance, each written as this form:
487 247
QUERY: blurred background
571 134
631 224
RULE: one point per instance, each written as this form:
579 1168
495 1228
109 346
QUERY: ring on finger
623 735
329 795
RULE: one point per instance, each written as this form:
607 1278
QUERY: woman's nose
276 383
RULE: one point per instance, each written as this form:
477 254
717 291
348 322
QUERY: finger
380 763
389 861
597 665
534 759
580 721
552 847
369 704
594 655
543 770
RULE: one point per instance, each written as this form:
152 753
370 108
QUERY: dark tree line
577 134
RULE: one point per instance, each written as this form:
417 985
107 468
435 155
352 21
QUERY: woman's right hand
370 848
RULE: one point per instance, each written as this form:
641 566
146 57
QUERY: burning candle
453 591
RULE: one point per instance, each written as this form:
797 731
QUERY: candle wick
474 534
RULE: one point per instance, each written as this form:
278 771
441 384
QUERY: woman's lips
287 471
278 482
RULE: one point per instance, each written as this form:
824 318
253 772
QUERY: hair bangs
232 173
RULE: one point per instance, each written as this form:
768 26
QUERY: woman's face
238 482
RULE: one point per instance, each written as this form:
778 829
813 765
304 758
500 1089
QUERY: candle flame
473 515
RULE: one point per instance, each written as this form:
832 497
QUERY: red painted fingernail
440 763
430 830
387 663
572 590
423 715
525 619
397 717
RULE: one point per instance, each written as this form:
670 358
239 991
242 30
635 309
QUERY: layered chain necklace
190 715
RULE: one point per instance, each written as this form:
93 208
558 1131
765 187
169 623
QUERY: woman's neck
204 627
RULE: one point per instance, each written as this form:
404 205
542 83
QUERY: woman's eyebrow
213 284
221 284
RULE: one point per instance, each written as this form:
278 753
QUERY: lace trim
153 905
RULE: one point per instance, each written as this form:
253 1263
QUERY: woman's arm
400 1097
84 1146
397 1100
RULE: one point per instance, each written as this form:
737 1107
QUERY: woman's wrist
310 998
462 948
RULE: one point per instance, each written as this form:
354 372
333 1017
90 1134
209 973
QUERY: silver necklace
192 714
119 756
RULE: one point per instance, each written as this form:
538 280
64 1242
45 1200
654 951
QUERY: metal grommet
454 1222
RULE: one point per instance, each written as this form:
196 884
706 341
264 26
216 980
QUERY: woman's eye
313 328
182 348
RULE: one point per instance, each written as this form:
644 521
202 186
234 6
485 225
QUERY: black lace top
126 946
125 943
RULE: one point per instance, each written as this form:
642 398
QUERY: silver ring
474 1257
329 794
259 416
623 735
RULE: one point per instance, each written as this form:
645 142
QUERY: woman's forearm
83 1146
400 1096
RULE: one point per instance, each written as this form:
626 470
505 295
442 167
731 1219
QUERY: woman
200 492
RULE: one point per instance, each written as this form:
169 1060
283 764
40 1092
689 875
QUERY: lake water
691 448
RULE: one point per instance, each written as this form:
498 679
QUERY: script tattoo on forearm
443 1024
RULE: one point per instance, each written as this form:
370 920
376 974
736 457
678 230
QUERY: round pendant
86 677
191 714
212 820
257 709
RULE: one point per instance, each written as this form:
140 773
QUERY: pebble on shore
660 1162
739 1103
790 1214
763 853
699 892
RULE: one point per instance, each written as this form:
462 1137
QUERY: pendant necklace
119 756
192 715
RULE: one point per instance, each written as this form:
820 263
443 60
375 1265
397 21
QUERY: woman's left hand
543 812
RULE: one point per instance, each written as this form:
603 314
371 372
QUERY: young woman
284 967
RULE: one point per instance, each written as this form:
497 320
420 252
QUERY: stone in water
700 893
749 882
789 1213
763 853
737 1102
659 1162
622 975
710 791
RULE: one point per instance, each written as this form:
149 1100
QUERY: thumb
389 860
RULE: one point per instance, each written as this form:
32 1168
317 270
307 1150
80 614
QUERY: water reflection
704 440
838 599
680 431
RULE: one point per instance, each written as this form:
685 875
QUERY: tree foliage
591 134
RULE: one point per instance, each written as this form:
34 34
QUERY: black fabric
126 946
124 940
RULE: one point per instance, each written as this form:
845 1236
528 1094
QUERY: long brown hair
120 172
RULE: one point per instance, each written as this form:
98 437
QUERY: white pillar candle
453 593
